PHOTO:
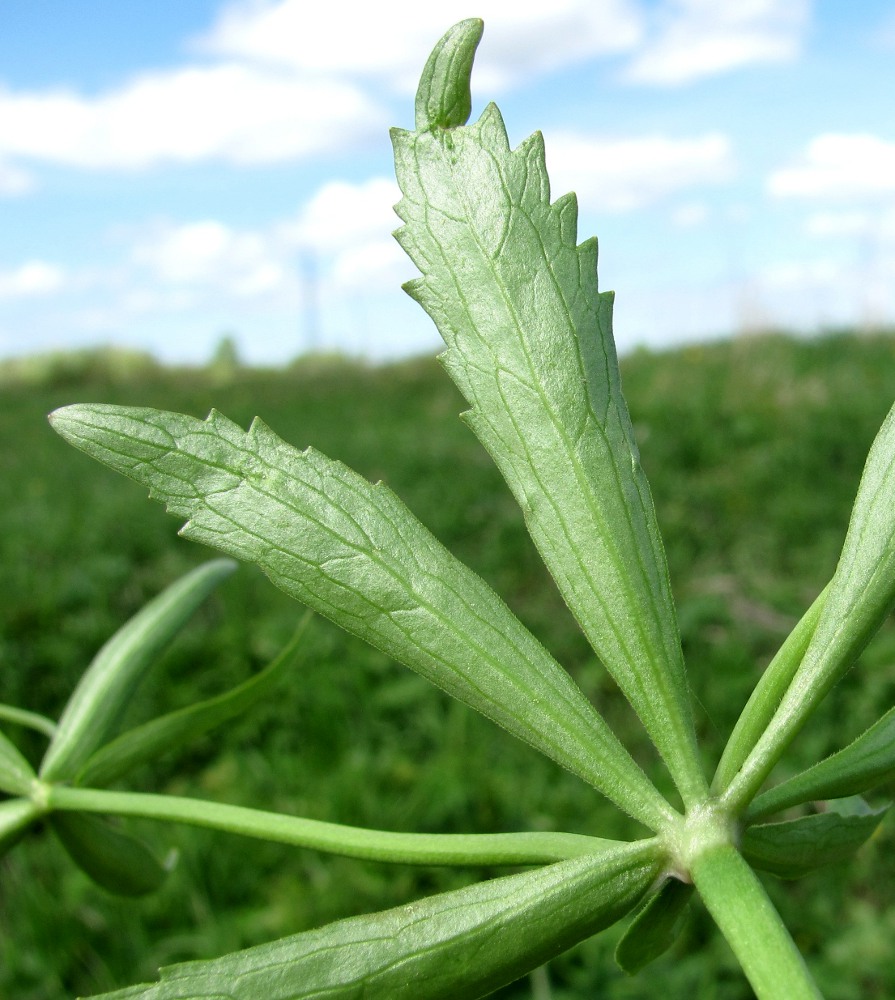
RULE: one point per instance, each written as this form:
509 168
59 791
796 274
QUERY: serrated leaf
459 944
354 553
146 743
16 815
16 774
655 926
795 848
97 703
529 344
119 862
867 762
860 596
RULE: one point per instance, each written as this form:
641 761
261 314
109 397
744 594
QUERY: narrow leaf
16 774
120 863
16 815
767 695
655 926
860 596
459 944
97 703
354 553
867 762
146 743
529 343
797 847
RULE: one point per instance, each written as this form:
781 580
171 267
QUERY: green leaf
767 695
146 743
796 847
97 703
459 944
442 98
529 344
16 774
16 815
867 762
354 553
860 596
120 863
655 926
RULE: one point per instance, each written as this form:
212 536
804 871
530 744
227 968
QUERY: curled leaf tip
443 98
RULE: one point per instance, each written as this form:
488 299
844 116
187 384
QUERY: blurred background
195 209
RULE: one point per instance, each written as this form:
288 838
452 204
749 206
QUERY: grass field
753 448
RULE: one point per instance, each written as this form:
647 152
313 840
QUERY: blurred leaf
15 817
16 774
120 863
867 762
529 344
655 926
146 743
354 553
459 944
797 847
95 706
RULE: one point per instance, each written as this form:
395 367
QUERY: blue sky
176 170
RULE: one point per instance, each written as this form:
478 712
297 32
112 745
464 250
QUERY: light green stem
753 928
355 842
31 720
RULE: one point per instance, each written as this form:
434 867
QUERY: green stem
355 842
31 720
753 928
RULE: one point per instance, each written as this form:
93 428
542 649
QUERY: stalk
753 927
355 842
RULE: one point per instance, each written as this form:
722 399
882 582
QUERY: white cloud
340 214
692 39
34 278
837 165
386 40
618 175
211 256
228 112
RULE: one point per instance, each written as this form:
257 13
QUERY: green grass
753 448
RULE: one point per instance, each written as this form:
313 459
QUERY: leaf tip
443 98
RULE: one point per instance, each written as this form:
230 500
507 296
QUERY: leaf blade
16 774
355 554
529 344
655 926
464 943
102 693
119 862
860 595
865 763
797 847
145 743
